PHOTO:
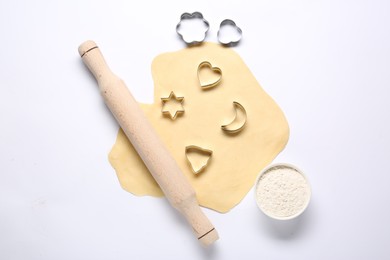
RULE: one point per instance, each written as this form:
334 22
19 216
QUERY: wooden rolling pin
156 157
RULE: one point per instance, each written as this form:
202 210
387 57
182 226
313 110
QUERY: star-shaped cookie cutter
165 111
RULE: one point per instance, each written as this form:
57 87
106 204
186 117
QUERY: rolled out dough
236 159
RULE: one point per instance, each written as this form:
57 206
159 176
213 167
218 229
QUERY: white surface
326 63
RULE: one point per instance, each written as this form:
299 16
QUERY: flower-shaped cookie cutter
192 16
229 42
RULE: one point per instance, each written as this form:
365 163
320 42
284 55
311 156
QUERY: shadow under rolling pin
152 151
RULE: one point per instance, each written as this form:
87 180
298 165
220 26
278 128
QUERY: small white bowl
300 198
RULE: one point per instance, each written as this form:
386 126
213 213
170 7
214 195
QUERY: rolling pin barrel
152 151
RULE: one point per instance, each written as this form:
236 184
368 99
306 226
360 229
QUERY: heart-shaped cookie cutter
188 16
229 43
217 70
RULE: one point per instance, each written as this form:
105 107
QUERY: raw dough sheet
236 159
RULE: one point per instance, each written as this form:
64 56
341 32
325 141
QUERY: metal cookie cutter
229 42
238 122
189 16
199 150
172 113
207 84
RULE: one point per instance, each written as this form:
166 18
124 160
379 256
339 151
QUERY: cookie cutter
200 150
230 43
189 16
213 69
168 112
235 126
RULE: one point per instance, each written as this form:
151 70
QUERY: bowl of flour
282 191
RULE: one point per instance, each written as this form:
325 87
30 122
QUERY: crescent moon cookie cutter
234 126
192 16
201 151
207 84
229 42
172 112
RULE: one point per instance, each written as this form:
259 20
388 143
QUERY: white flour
282 192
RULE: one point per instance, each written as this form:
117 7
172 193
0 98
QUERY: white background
326 63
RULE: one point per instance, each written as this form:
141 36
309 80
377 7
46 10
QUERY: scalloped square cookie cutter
229 43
